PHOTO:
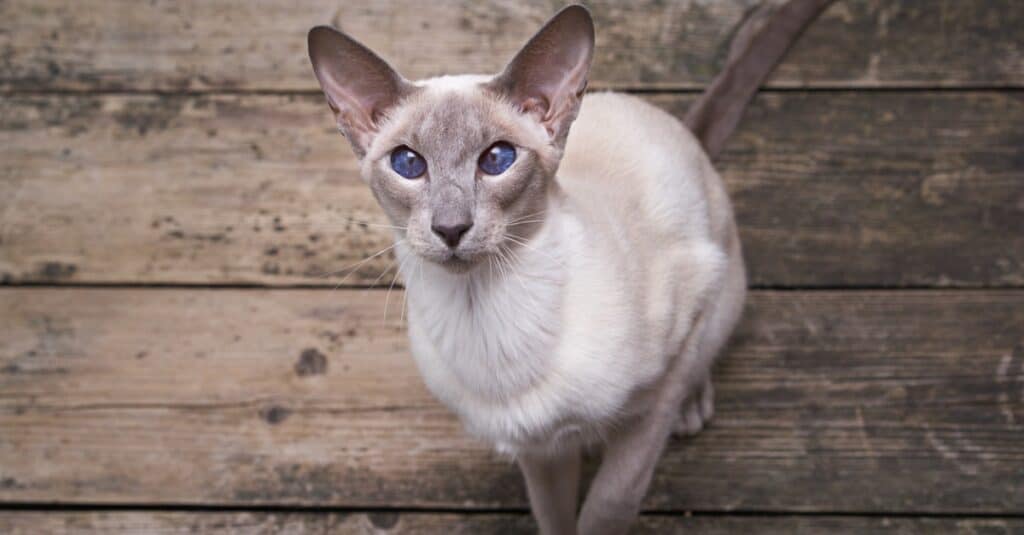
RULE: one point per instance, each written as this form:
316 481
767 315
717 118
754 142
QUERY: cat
571 261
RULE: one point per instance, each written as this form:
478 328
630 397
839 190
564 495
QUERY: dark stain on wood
275 414
15 369
55 271
311 362
214 237
313 483
145 115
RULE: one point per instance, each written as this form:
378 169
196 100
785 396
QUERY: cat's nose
451 231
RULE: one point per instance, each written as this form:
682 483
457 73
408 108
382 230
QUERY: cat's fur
592 309
600 278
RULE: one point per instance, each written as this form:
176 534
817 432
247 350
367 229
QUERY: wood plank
260 45
57 522
829 402
831 189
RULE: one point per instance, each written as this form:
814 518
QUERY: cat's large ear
547 77
360 86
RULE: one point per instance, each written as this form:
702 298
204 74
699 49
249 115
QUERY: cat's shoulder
623 123
628 157
613 109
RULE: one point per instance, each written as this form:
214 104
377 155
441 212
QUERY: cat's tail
762 40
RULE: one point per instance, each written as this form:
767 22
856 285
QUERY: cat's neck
502 315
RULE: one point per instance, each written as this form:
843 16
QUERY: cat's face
462 169
462 163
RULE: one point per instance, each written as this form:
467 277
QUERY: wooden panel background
831 188
854 402
471 524
185 144
670 44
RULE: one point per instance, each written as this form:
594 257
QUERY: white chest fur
505 348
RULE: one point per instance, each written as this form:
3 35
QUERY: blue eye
496 159
408 162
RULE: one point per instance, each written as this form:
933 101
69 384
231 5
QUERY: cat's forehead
447 113
451 111
454 116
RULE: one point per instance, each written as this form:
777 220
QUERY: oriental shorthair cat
571 261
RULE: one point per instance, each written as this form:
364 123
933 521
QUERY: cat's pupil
498 158
408 162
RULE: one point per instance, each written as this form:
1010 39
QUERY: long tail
759 44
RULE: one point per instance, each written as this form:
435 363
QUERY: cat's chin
458 265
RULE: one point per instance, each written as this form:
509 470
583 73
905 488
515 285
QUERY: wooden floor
179 351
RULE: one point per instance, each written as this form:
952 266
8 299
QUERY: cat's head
460 162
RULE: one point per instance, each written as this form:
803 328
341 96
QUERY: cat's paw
696 412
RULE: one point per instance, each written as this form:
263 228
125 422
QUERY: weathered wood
829 401
58 523
246 45
833 188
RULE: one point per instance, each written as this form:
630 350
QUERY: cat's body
586 316
566 288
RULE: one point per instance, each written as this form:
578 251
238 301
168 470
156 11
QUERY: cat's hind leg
696 411
631 453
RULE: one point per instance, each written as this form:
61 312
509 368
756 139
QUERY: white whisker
355 267
387 297
405 282
528 216
517 223
381 276
521 242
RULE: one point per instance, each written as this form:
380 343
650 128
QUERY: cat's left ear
547 77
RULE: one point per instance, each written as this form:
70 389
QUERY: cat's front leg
632 453
552 482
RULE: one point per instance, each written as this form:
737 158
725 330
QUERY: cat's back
636 163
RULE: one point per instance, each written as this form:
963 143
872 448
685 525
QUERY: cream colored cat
567 287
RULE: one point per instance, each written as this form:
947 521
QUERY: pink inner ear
537 106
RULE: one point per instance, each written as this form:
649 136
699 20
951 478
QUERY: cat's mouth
457 264
459 260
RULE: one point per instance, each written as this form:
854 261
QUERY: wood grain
260 45
59 523
828 402
831 189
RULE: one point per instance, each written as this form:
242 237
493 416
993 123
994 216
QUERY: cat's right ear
359 85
